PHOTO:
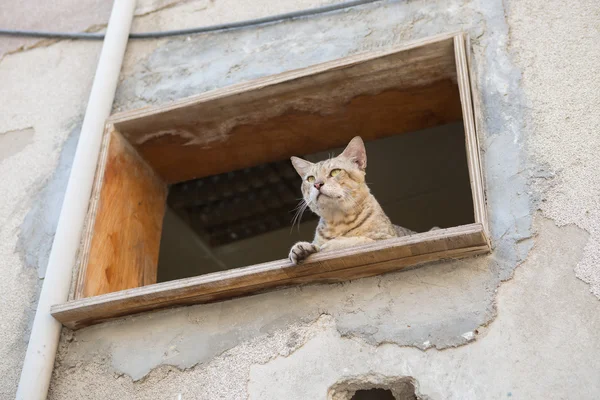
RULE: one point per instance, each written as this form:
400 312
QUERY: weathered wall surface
38 114
563 103
472 329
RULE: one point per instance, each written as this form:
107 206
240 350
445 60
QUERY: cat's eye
310 179
335 172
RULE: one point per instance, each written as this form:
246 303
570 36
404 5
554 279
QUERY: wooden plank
477 119
88 233
472 142
368 260
121 248
299 112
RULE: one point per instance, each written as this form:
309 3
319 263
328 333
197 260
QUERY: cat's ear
356 152
301 165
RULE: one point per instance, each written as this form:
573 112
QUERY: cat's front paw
300 251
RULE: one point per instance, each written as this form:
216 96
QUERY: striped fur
350 214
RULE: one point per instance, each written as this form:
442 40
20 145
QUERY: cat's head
336 185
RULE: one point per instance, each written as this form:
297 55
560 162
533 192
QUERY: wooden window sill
341 265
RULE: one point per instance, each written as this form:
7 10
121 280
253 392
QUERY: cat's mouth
326 196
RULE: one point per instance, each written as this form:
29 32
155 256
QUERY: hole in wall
376 387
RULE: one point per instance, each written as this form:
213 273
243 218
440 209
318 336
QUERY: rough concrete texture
12 142
55 16
563 87
501 364
528 352
39 225
42 91
377 310
401 388
297 343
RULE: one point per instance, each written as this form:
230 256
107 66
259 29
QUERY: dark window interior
244 217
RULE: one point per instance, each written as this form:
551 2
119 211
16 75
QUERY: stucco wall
519 323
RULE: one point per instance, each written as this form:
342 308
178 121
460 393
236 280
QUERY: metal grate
237 205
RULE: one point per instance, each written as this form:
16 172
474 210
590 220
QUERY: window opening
243 217
144 248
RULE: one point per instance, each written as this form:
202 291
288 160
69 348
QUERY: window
168 170
243 217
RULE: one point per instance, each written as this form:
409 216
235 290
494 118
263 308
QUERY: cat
335 190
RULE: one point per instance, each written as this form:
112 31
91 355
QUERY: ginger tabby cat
335 190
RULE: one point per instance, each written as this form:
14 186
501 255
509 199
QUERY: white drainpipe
45 333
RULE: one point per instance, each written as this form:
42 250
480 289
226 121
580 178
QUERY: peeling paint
185 136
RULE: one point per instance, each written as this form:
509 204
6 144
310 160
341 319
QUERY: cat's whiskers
299 204
297 210
300 208
301 214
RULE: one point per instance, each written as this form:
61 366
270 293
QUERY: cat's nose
319 184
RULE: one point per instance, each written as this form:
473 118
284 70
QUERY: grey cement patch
39 226
189 66
377 310
563 103
224 377
12 142
504 145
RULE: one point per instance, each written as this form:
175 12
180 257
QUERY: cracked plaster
563 107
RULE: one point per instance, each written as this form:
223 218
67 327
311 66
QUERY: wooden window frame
118 263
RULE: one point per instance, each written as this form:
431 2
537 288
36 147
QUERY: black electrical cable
191 31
